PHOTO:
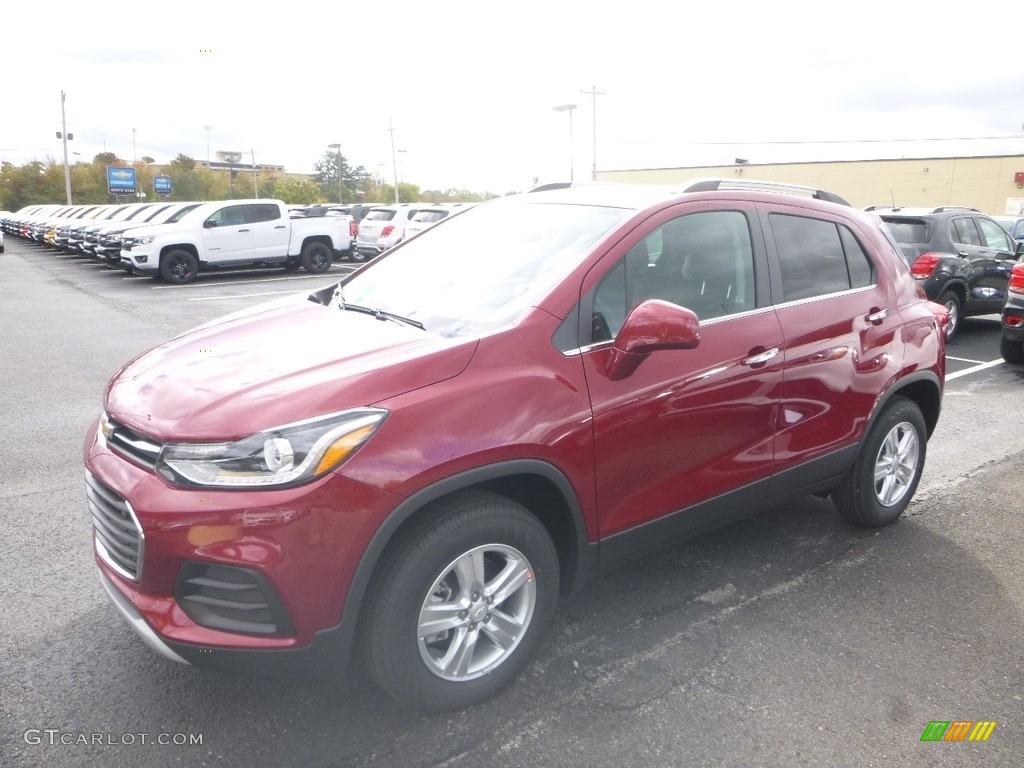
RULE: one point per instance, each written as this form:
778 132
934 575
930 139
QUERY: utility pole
394 157
594 93
255 188
207 128
64 136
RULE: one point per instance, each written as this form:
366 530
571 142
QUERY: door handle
279 226
243 230
762 358
877 316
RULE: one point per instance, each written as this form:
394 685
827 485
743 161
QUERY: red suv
417 462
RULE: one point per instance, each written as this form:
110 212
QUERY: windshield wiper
380 314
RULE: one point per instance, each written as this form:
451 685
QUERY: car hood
151 229
233 378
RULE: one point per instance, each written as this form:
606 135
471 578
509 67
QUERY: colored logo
958 730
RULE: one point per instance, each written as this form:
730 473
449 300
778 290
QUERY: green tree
325 174
296 191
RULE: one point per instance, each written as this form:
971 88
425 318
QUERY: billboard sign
120 181
162 185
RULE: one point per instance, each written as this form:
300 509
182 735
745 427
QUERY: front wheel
461 603
1011 351
179 267
951 302
888 467
316 257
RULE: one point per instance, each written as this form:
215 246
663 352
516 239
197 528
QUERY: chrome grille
117 532
131 444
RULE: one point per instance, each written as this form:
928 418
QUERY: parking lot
787 639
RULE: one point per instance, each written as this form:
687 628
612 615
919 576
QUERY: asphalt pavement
789 639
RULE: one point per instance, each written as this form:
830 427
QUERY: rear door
686 439
270 230
842 330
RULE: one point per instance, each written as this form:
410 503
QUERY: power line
803 142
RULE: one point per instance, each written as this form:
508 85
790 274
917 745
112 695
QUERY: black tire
179 267
431 564
1011 351
291 265
895 446
951 301
317 257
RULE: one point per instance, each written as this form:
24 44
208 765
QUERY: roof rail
711 185
944 208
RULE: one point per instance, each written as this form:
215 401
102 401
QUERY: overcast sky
469 86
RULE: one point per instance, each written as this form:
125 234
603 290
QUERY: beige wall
985 183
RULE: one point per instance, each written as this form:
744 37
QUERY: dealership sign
162 185
120 181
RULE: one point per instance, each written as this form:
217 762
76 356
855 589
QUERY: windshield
498 259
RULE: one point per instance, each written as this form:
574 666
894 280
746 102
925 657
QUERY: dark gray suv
959 256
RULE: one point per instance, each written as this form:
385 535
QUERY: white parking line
242 295
975 369
964 359
239 282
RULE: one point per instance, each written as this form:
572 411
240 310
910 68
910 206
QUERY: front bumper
301 544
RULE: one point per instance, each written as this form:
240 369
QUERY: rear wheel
461 603
316 257
882 480
179 267
1012 351
951 301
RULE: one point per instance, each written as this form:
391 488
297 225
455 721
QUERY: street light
207 128
568 108
338 147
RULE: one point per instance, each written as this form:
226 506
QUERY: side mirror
653 325
1019 250
209 224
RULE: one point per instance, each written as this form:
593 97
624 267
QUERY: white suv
382 228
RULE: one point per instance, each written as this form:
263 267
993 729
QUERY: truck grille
118 535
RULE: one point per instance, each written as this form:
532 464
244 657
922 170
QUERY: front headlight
145 239
288 455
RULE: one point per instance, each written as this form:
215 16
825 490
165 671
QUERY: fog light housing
141 259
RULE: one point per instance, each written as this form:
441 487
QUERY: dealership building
993 183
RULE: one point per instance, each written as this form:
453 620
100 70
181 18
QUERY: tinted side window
964 231
858 265
811 255
264 212
702 261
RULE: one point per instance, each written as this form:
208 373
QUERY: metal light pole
394 158
595 93
207 128
338 147
64 136
133 146
568 108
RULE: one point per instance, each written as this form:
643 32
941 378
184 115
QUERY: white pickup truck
234 233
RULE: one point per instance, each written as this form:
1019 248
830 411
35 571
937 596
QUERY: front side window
995 236
230 216
701 261
818 257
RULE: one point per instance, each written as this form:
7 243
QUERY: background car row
97 230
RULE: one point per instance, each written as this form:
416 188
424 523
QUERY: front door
689 431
